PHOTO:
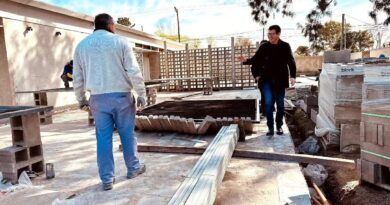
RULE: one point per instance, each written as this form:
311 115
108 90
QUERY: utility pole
263 33
178 22
342 32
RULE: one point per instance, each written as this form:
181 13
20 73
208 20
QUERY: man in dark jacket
275 67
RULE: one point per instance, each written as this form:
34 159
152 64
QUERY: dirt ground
342 186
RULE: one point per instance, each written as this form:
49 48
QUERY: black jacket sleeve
257 62
291 62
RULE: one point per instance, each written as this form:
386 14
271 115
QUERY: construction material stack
40 99
26 154
340 100
375 127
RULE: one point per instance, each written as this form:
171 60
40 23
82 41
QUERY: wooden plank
274 156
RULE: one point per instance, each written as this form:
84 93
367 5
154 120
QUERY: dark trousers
273 95
262 102
66 80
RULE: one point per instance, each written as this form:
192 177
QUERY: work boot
108 186
134 174
279 131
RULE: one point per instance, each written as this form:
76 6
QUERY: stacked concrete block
375 128
340 98
310 102
26 154
151 95
40 99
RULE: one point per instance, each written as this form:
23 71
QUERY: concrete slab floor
70 144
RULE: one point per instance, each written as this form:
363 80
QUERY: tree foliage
380 6
303 51
356 41
263 9
125 21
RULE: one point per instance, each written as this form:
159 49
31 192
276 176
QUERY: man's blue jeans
108 110
272 95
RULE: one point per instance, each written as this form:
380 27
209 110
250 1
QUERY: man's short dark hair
276 28
102 21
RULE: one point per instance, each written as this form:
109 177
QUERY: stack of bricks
26 154
375 128
151 95
40 99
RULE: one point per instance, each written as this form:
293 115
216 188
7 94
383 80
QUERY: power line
361 21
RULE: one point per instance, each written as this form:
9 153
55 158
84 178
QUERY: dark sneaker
134 174
108 186
270 134
279 131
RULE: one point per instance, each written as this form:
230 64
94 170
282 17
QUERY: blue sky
218 18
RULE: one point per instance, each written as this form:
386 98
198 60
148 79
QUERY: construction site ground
70 144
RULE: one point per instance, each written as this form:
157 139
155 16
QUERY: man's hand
141 101
292 81
84 106
241 59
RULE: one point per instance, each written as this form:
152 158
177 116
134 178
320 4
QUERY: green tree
263 9
357 41
303 51
329 35
125 21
